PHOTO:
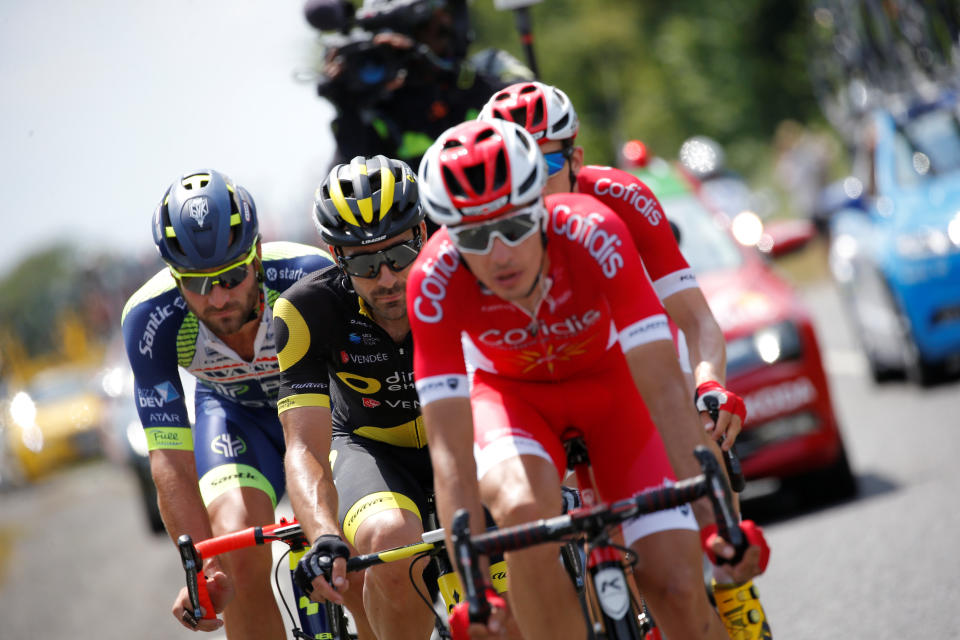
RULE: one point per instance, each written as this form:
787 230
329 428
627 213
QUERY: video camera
367 67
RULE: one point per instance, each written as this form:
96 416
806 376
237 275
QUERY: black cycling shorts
371 476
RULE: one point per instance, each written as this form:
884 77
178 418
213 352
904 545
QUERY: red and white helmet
543 110
477 170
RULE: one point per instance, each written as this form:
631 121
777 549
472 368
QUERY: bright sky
105 102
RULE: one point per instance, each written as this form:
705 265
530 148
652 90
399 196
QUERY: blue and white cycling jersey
161 333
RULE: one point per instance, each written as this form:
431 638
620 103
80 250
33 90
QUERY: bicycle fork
620 614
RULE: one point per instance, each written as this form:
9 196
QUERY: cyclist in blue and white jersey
210 312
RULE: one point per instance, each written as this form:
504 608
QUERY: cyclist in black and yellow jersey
358 471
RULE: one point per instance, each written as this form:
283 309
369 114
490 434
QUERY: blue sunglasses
556 159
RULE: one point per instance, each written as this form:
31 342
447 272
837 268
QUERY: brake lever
196 581
466 559
730 459
718 492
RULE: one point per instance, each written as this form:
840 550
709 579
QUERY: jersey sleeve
300 322
287 262
150 336
633 201
435 320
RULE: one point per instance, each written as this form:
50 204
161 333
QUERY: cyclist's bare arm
449 425
313 496
181 506
178 494
708 355
658 377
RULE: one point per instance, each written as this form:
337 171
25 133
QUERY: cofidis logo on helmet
437 271
586 230
634 194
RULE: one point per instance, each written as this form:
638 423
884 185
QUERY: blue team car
895 241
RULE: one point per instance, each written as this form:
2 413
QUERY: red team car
773 357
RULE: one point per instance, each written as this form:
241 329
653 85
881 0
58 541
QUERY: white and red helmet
543 110
478 170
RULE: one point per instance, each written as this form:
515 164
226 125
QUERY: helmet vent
375 182
487 133
476 177
528 182
452 183
500 171
199 184
562 122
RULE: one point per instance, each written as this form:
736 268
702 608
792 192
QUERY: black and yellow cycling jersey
333 354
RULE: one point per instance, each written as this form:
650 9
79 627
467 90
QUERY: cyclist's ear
576 160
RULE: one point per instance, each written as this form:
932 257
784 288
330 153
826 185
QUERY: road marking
844 362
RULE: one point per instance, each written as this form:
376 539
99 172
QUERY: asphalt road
76 560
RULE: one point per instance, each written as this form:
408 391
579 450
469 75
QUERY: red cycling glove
460 616
726 400
753 533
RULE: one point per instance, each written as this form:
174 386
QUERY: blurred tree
664 71
61 305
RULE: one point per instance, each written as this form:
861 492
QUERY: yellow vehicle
56 419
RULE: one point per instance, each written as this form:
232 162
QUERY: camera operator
398 74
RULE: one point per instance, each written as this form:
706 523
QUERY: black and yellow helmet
366 201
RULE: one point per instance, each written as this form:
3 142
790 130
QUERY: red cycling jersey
534 376
640 210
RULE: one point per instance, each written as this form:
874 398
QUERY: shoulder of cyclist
624 192
284 263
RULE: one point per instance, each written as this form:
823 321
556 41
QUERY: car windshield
705 245
927 145
47 388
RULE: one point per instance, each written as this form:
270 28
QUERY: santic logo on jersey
433 288
569 326
601 244
154 320
632 194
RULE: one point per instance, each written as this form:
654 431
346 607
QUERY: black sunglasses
367 265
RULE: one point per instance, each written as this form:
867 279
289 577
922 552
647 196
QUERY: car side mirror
788 236
842 194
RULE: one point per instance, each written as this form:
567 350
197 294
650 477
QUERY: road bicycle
328 621
617 612
589 547
316 622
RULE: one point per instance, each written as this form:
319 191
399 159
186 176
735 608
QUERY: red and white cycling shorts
516 417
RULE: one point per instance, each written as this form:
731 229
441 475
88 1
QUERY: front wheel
337 619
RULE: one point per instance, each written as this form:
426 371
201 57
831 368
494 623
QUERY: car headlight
23 411
766 346
930 243
136 438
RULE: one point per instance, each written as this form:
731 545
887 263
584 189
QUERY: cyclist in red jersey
547 113
545 302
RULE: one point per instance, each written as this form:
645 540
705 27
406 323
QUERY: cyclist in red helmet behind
547 113
545 301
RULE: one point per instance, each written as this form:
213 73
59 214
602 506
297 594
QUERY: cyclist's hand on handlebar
220 588
730 408
755 558
462 629
321 572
